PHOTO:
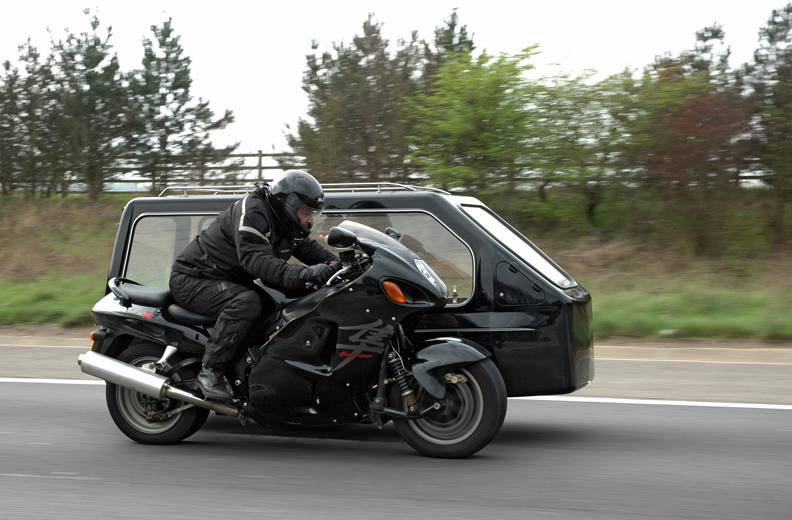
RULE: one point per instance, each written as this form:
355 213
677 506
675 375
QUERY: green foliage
355 103
171 130
470 128
357 128
769 80
576 140
660 155
91 103
10 144
75 117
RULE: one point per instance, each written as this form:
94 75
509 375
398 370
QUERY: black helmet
297 199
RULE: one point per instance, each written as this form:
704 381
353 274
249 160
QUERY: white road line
84 347
611 400
56 477
52 381
694 361
558 398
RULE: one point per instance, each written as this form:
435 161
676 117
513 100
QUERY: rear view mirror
341 238
395 235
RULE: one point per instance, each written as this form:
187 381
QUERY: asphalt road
62 457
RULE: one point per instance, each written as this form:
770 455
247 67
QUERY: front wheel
130 409
473 415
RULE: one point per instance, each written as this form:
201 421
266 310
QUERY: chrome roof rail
378 187
335 187
185 191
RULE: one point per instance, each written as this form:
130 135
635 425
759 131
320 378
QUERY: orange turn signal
394 292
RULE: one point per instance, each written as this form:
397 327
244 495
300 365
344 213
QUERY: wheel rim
134 405
459 419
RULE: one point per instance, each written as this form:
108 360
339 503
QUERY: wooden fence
201 175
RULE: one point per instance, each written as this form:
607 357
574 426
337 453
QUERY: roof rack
185 191
378 187
337 187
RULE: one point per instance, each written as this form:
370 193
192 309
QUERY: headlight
431 276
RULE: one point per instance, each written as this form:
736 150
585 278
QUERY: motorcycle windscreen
370 234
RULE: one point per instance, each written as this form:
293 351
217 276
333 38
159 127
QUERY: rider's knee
249 305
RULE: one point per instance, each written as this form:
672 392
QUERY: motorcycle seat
150 296
188 317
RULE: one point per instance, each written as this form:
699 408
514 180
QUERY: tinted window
420 232
518 244
157 241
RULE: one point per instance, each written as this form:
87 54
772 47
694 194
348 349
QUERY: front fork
379 403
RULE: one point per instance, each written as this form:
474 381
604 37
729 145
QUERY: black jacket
247 242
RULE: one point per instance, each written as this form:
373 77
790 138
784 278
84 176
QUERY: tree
357 127
10 144
92 100
171 130
577 137
690 139
770 81
449 40
42 128
473 128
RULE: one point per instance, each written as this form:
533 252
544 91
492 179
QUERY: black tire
127 407
472 418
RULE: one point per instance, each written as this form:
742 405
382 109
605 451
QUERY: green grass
697 311
694 312
51 299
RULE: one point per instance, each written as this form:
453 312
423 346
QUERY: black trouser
235 306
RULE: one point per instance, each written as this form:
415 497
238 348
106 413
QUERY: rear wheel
471 418
130 409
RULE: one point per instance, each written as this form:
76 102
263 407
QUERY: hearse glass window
518 244
156 242
420 232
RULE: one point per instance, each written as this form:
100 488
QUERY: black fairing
328 342
148 323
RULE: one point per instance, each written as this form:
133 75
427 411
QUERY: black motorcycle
337 355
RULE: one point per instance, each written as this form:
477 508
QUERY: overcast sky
249 56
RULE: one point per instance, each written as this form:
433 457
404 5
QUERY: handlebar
345 269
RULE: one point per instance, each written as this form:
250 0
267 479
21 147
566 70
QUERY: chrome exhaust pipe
145 382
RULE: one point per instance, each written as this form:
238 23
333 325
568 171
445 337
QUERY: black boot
214 384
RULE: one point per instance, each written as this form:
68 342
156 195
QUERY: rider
252 239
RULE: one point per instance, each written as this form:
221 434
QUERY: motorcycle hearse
440 312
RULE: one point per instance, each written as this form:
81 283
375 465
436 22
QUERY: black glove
319 274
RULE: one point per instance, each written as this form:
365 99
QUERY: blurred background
647 150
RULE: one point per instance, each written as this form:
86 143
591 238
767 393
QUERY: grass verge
697 311
694 312
51 299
